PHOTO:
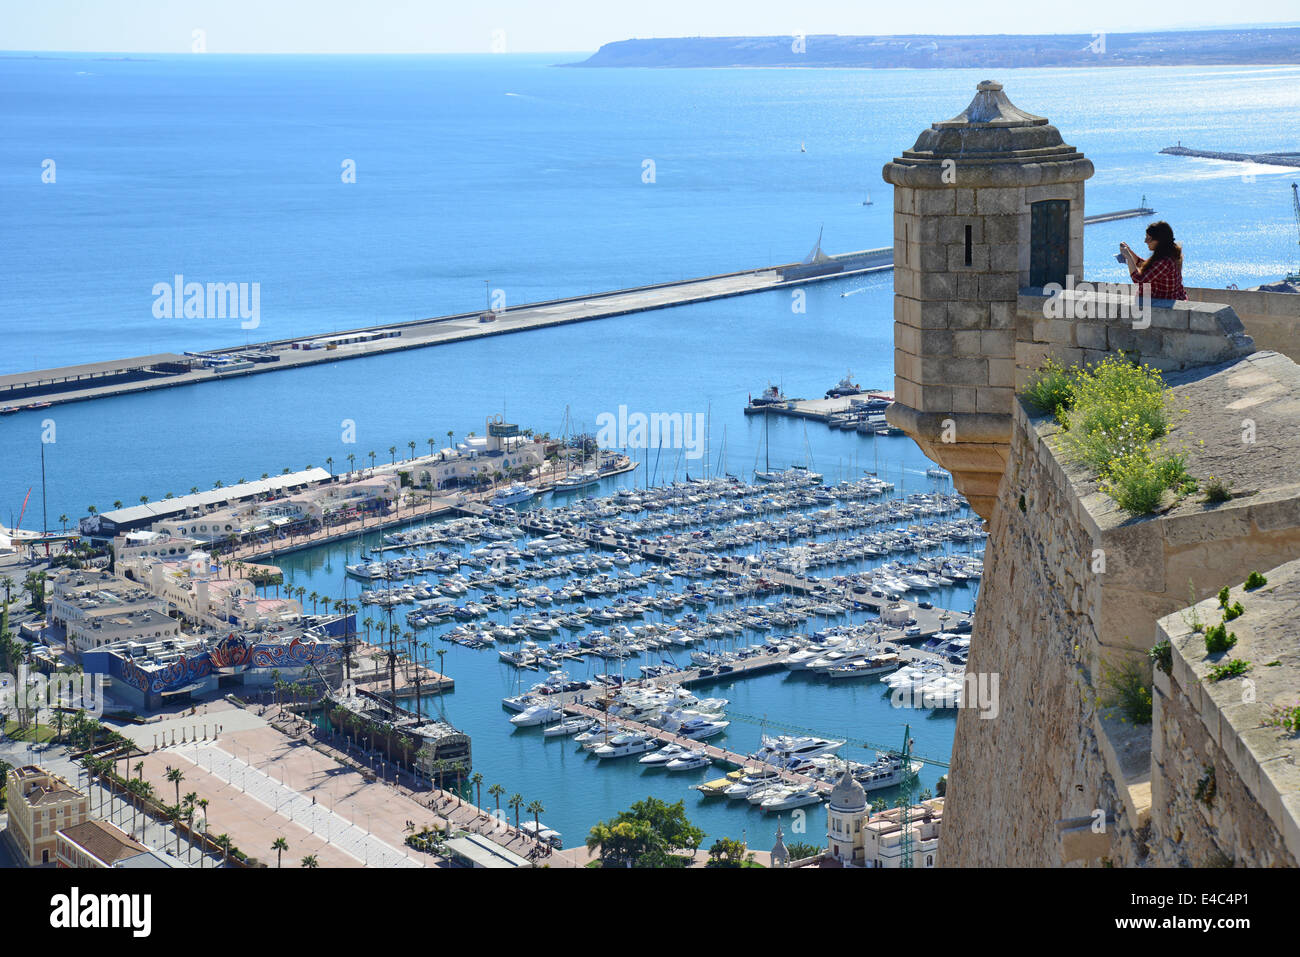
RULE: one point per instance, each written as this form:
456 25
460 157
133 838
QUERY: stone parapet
1272 319
1073 587
1225 780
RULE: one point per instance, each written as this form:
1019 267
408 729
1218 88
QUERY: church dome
847 795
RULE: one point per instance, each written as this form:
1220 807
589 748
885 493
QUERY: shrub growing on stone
1126 688
1216 490
1052 389
1255 580
1162 656
1229 669
1219 639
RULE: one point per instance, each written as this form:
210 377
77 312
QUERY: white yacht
574 483
785 799
535 715
518 492
885 772
689 761
624 745
574 725
783 749
875 665
698 727
665 754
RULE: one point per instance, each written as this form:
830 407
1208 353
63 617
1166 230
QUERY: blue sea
509 173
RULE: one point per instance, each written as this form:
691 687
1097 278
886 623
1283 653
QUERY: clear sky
530 26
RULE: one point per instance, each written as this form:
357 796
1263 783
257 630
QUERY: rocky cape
1173 48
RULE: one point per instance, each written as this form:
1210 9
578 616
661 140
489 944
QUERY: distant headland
1261 45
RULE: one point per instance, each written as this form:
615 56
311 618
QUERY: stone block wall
1272 319
1051 621
1225 784
1013 777
1084 327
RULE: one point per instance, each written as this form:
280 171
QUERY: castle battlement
989 285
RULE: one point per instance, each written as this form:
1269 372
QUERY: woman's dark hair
1166 248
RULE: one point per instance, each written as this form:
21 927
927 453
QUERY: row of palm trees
515 803
143 792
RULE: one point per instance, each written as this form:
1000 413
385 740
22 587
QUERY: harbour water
578 789
530 177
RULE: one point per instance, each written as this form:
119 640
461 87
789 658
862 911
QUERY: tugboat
771 396
844 387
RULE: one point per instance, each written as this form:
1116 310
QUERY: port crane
1295 204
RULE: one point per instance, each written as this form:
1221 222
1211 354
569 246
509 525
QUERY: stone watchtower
985 204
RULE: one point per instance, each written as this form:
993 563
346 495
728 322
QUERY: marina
663 596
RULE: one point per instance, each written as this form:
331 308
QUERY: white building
94 608
846 812
857 838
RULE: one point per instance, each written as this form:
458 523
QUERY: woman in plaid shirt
1163 269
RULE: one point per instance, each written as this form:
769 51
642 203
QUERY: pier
42 388
1133 213
1267 159
714 752
34 390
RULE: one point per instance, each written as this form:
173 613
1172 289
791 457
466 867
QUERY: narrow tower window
968 245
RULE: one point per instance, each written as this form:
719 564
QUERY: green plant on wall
1218 639
1113 415
1126 688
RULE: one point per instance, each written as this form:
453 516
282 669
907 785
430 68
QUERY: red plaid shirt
1164 276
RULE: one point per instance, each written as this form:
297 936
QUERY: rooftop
168 507
103 842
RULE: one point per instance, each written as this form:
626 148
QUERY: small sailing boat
867 201
803 148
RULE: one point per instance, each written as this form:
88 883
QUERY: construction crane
1295 203
905 787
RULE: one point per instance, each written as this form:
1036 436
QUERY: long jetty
1267 159
42 388
34 390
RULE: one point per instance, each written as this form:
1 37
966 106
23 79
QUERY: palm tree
194 490
280 845
225 842
139 770
117 503
352 458
536 809
411 446
176 776
392 450
496 791
477 781
310 861
430 441
330 462
90 510
372 461
63 520
217 484
516 802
